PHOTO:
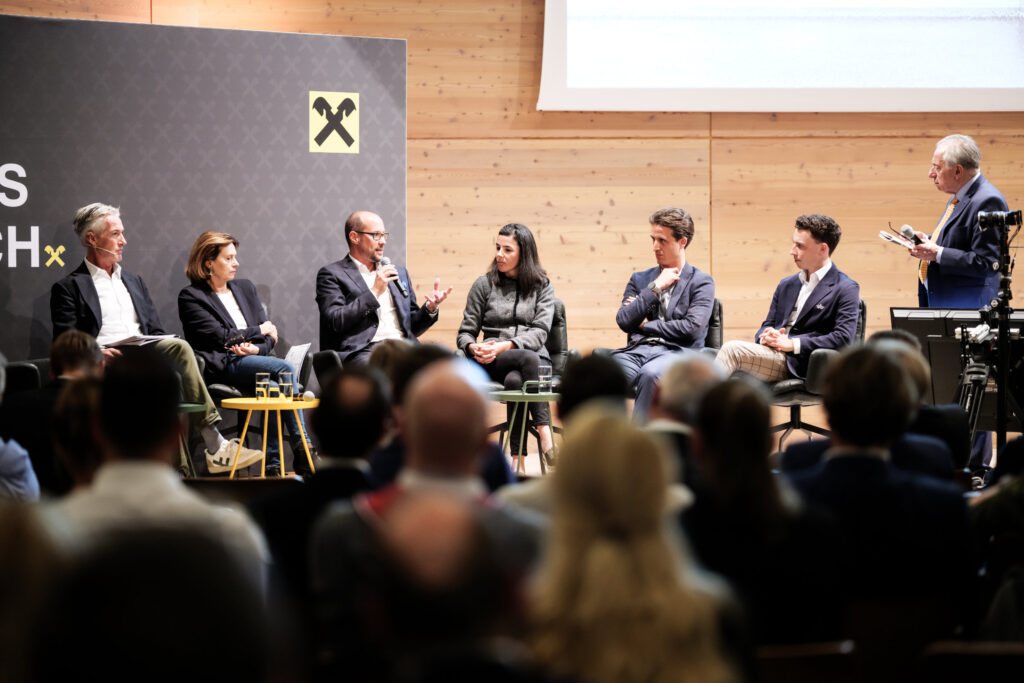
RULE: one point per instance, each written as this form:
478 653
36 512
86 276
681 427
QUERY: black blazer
918 453
208 325
348 309
74 303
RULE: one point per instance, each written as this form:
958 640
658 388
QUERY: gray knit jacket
502 313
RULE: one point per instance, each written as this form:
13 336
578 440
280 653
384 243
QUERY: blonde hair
613 600
206 248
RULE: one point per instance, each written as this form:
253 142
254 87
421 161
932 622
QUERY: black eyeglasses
377 236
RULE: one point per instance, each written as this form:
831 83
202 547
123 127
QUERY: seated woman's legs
512 369
241 372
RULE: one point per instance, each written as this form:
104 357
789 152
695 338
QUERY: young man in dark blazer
815 309
363 301
665 309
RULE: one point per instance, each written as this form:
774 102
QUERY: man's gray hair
685 382
960 149
91 218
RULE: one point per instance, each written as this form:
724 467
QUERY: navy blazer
348 309
74 303
828 319
208 325
918 453
965 278
688 315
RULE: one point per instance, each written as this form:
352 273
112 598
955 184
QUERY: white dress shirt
387 324
118 319
808 283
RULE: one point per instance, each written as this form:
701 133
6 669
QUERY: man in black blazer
665 309
956 260
815 309
363 301
111 304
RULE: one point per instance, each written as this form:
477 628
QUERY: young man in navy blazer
111 304
362 301
665 309
815 309
957 258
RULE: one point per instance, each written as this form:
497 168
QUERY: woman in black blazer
225 323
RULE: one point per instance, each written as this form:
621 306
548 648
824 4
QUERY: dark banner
272 137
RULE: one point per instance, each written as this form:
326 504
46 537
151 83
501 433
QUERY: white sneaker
221 460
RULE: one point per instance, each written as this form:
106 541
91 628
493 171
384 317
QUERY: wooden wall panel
586 201
138 11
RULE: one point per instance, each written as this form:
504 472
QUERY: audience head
139 406
677 220
910 359
74 353
594 377
732 442
206 248
354 412
440 585
92 219
823 230
444 424
897 335
129 606
869 398
410 364
682 385
75 416
387 355
530 275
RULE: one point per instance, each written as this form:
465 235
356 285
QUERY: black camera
998 219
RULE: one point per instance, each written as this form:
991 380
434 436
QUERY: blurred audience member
751 528
29 420
74 429
614 598
136 485
155 605
17 478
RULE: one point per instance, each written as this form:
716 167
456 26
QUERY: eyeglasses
376 236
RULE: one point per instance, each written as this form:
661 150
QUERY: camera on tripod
998 219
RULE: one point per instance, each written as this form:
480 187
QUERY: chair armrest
817 366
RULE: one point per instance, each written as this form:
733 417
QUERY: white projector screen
790 55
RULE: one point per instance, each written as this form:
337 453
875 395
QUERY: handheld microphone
401 285
909 233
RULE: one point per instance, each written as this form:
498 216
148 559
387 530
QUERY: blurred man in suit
815 309
665 309
362 301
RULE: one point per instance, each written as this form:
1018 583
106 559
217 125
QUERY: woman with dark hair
225 322
512 305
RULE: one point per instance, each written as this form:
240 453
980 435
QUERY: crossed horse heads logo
334 117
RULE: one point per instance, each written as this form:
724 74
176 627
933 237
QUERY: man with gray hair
956 260
111 304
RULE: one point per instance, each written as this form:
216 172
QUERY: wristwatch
654 288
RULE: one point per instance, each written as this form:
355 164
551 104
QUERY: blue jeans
241 372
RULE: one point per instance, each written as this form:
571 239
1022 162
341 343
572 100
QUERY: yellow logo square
334 122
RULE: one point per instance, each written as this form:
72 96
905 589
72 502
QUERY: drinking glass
262 385
285 385
544 377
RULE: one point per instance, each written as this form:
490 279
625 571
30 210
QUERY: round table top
253 403
517 396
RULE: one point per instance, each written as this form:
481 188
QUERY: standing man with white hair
956 260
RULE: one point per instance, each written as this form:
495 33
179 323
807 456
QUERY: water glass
285 385
262 385
544 377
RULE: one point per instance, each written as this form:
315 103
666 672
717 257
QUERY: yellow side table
267 405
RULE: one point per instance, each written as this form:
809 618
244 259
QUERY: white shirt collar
94 270
818 275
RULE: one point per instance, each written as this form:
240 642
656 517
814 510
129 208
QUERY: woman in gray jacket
512 305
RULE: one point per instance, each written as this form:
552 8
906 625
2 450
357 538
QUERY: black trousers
512 368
